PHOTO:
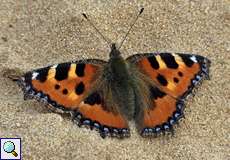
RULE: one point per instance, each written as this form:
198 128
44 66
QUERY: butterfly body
118 77
148 88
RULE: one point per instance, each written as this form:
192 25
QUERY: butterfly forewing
65 83
173 73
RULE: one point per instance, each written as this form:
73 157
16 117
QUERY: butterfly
148 88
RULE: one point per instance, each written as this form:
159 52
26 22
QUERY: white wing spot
34 75
54 67
82 103
193 58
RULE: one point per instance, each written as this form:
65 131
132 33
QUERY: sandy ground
34 34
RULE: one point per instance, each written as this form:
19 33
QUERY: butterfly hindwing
162 115
94 113
173 77
68 87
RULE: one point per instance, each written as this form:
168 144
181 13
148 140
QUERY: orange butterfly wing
65 86
164 113
174 76
93 112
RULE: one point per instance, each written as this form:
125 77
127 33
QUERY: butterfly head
114 51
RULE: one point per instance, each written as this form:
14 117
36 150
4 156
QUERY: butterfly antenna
105 39
130 28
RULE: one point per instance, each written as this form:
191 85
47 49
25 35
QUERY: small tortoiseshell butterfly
148 88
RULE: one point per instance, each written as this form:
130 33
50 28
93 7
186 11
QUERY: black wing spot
42 74
93 99
80 70
180 74
186 59
62 71
169 60
57 86
176 80
79 89
156 93
65 91
161 79
153 61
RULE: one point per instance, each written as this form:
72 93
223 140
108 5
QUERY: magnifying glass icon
9 147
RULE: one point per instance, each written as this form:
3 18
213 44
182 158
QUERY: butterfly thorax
117 67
